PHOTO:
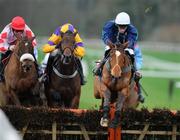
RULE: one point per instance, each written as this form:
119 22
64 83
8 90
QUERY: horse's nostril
26 68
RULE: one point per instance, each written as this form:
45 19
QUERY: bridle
63 58
122 69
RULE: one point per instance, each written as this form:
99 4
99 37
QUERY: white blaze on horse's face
118 53
116 70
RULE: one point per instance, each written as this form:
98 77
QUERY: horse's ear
62 34
110 44
75 33
32 38
125 45
18 35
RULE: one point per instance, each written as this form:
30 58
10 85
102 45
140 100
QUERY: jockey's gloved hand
129 51
138 75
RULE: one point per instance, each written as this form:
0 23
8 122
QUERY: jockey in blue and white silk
118 31
111 32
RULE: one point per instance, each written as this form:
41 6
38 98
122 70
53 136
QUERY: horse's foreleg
75 102
120 101
106 107
14 99
39 93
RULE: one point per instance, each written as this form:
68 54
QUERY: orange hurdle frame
114 133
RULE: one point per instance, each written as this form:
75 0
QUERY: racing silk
55 39
138 57
7 38
110 32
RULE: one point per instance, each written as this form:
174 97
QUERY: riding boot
98 69
80 71
140 96
48 69
137 78
41 75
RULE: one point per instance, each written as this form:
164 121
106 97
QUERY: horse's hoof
104 122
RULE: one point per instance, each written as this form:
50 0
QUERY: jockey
8 40
121 30
55 39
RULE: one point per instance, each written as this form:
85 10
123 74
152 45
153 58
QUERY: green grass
158 95
157 88
169 56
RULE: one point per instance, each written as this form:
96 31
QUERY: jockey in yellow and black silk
56 39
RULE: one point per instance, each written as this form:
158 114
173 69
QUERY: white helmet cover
122 19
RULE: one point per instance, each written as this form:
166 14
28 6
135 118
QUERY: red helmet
18 23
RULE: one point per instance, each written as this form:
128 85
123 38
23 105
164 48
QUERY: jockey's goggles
18 31
121 26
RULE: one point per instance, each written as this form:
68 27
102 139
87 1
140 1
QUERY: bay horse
21 75
116 86
64 86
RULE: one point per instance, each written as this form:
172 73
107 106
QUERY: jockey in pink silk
55 39
8 39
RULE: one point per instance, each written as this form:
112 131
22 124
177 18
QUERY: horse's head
67 46
118 59
24 51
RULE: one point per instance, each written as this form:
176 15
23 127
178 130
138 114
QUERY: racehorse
116 85
63 87
21 76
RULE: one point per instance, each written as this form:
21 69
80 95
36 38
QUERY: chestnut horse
63 87
21 86
116 84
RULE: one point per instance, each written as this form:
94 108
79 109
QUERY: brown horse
21 77
64 87
116 84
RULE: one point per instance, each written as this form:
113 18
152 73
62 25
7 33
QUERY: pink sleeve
3 38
